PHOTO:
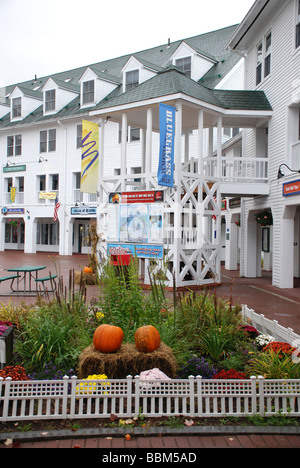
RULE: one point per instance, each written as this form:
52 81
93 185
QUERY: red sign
151 196
291 188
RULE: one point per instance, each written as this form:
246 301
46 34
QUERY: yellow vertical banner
13 194
89 157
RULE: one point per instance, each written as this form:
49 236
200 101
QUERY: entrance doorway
14 234
81 241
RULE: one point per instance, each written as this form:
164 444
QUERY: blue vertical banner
165 174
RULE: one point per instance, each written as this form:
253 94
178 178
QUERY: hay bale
126 361
88 278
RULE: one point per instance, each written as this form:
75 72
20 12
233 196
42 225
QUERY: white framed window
16 107
47 141
268 51
133 134
14 145
263 58
259 63
50 100
184 64
79 136
298 24
88 92
131 79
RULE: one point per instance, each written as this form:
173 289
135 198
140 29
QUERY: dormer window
132 79
88 92
185 65
16 107
50 100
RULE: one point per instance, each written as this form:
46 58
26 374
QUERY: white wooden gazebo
191 210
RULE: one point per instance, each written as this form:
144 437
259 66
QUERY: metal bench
10 277
43 280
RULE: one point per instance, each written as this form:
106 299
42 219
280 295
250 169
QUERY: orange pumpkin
108 338
87 270
147 339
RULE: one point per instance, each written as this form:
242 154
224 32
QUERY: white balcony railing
237 169
19 198
84 197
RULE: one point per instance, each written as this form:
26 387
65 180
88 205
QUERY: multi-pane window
298 25
268 54
259 63
14 145
132 79
133 134
55 182
88 92
263 54
50 99
185 65
16 107
47 234
79 136
47 141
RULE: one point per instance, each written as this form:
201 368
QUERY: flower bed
207 337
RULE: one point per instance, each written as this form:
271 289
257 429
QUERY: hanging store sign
12 211
89 157
14 168
151 196
139 251
83 210
291 188
165 174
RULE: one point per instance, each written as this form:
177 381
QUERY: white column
149 146
143 145
186 145
219 147
251 247
231 242
200 140
124 151
286 251
101 158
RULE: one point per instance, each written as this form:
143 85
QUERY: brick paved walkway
162 443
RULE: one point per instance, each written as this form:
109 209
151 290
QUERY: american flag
56 208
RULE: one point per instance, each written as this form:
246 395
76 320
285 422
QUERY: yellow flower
99 315
91 387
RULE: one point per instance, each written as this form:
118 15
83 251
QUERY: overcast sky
39 37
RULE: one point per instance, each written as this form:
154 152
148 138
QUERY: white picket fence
71 398
271 327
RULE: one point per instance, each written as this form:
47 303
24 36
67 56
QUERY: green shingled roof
173 81
167 81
